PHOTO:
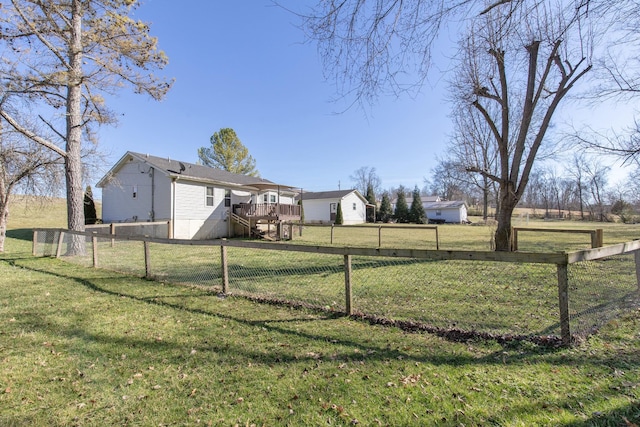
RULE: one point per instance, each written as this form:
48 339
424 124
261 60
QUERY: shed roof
451 204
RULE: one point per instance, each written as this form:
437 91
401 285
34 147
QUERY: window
265 198
438 212
354 207
209 197
227 198
135 192
272 198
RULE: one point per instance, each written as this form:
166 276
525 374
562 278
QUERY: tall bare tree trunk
4 217
73 160
508 203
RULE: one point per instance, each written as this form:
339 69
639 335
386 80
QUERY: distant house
199 202
321 207
454 212
425 201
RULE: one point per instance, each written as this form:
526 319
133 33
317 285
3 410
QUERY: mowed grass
81 346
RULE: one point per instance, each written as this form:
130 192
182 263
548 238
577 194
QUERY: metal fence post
147 260
563 302
636 255
225 269
347 285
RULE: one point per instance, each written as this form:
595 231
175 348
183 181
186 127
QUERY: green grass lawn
90 347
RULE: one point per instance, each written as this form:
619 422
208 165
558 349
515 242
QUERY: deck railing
266 209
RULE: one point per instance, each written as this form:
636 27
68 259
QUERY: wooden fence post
332 233
225 269
94 242
60 242
379 236
437 240
112 231
563 300
597 239
347 285
35 242
514 236
147 260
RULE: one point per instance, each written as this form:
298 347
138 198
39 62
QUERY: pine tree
339 220
416 212
90 214
371 199
385 213
402 209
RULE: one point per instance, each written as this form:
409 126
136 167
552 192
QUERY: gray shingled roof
335 194
195 172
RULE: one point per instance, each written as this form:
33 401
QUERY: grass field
91 347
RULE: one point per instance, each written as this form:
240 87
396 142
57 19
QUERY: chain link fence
497 295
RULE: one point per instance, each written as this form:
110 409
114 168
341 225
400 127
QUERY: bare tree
365 178
374 47
69 54
517 66
24 165
473 148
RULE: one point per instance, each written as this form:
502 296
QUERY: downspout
153 193
173 207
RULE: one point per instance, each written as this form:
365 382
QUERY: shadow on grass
21 234
511 351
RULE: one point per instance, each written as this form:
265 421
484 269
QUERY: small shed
454 212
321 207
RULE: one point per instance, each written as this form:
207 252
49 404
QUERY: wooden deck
267 211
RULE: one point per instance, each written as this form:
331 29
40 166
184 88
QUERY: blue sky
244 65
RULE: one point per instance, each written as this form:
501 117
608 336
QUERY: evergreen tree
228 153
90 214
416 212
339 219
385 213
371 198
402 209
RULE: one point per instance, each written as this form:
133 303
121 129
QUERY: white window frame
209 199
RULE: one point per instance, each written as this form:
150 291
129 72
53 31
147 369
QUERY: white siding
119 205
118 201
353 210
317 210
193 218
450 215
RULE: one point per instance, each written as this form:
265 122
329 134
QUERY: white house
321 207
454 211
199 202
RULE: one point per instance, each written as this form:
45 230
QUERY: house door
333 208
